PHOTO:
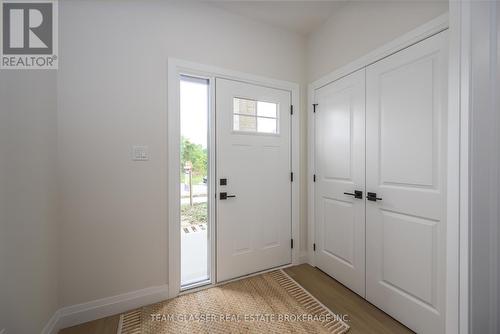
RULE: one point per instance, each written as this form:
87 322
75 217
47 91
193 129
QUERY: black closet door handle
357 194
373 197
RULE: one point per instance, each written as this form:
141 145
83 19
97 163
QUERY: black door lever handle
357 194
373 197
224 195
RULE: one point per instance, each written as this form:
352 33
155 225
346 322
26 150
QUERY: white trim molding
177 67
477 42
100 308
457 189
311 170
51 326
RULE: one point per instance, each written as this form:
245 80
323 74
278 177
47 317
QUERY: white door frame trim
176 67
457 160
465 22
458 186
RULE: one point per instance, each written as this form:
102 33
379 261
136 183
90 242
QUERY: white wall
112 95
360 27
28 221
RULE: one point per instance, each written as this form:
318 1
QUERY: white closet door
340 169
405 160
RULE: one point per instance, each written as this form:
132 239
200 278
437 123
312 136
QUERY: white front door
340 172
405 172
254 166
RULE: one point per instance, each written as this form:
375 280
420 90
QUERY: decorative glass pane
244 123
266 125
267 109
244 106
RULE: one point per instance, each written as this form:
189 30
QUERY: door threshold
195 285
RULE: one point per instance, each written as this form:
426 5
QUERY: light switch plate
140 153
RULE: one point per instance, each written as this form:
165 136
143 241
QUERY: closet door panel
405 159
340 162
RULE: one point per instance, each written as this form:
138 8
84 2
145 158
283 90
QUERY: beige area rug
267 303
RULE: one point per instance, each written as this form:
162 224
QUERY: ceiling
297 16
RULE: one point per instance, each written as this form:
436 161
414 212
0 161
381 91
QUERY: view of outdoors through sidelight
194 104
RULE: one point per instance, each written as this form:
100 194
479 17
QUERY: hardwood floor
363 316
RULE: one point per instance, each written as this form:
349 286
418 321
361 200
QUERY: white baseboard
77 314
50 327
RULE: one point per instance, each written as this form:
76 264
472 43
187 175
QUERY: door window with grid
255 116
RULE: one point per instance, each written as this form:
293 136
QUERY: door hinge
291 243
291 177
314 107
291 109
314 247
314 178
